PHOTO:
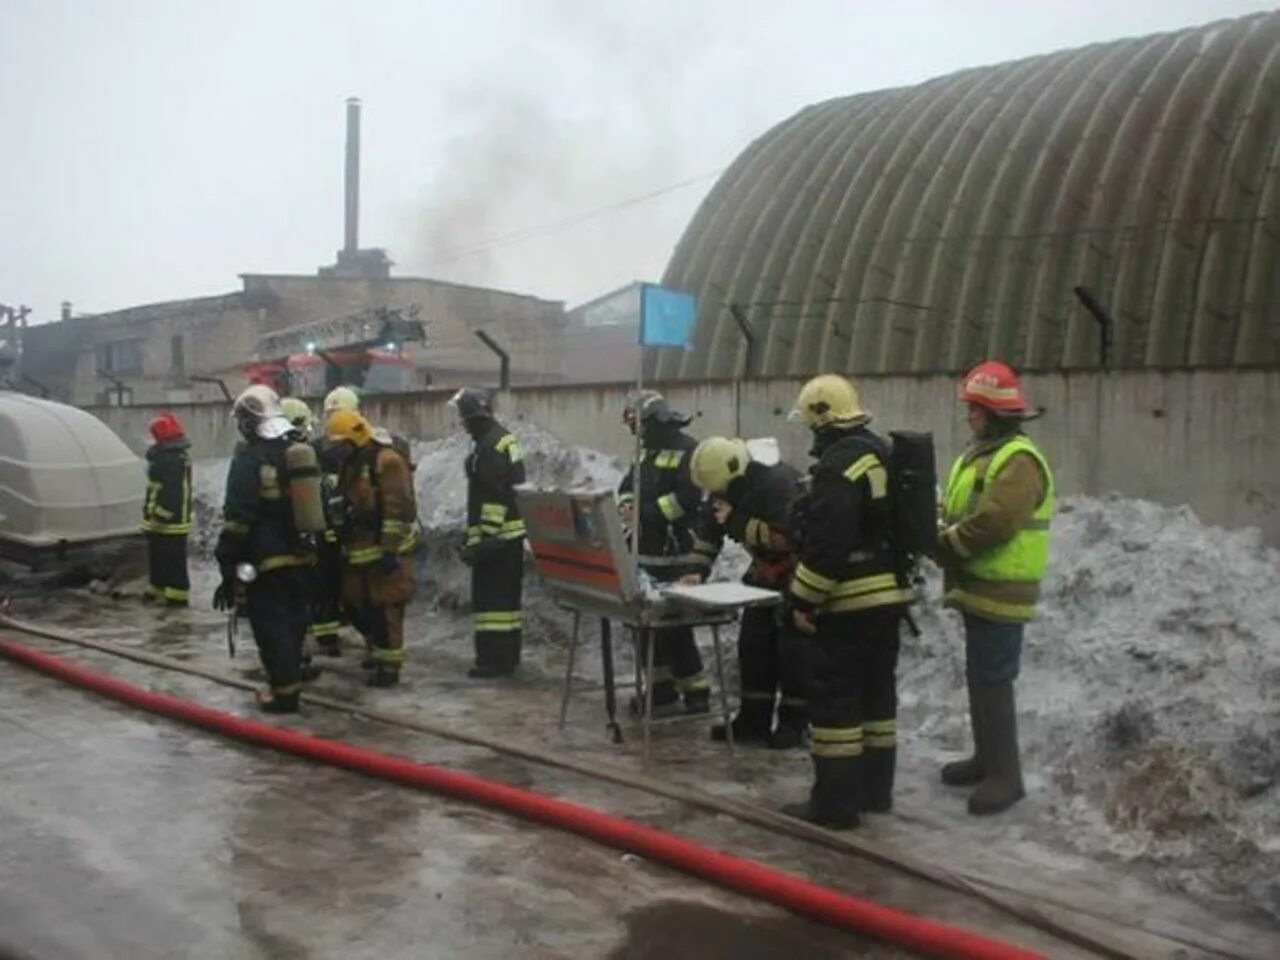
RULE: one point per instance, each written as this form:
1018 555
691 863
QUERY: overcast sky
154 150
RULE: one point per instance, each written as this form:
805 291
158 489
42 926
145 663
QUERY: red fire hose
745 876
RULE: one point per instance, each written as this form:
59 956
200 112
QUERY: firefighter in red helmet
166 512
994 548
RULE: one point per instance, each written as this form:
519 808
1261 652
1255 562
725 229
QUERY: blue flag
666 317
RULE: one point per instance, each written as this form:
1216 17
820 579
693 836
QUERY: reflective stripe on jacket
378 487
167 506
494 469
845 565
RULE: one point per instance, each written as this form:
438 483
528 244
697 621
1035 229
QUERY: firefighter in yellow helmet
846 594
751 503
378 534
994 548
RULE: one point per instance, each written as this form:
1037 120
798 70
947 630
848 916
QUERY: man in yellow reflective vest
994 548
379 534
847 595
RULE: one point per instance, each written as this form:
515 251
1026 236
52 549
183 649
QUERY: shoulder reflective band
869 465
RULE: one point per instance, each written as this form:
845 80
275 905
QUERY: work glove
389 563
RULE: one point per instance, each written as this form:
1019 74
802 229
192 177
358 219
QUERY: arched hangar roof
922 229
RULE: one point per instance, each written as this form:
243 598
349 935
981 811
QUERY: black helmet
653 409
472 402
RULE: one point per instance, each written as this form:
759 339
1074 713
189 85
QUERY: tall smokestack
351 222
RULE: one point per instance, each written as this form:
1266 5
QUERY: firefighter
751 503
494 545
166 512
846 595
258 529
669 503
994 548
378 539
326 604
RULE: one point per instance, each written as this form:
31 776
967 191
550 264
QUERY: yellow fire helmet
829 400
349 426
341 398
296 412
717 462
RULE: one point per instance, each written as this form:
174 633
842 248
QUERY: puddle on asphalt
680 929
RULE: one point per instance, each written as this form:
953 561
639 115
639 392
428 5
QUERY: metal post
739 315
1104 320
568 673
504 360
221 384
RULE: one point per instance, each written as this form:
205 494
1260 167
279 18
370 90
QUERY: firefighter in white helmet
258 529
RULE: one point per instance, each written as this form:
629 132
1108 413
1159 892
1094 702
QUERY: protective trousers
853 707
375 603
326 605
278 614
677 665
771 666
497 580
167 560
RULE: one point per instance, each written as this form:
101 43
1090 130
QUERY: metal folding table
581 554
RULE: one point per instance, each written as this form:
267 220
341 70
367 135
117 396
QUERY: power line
450 254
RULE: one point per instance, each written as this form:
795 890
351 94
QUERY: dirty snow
1150 728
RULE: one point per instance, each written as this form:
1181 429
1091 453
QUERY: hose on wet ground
734 873
1012 901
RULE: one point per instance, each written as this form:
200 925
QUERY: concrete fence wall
1203 438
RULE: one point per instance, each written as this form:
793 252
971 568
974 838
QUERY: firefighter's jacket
167 507
381 516
994 545
335 505
495 467
761 521
257 515
669 504
844 528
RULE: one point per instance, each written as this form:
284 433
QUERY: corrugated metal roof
925 228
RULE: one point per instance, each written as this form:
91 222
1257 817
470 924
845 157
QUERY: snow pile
442 507
1150 721
1149 717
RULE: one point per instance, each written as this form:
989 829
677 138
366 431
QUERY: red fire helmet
166 427
994 385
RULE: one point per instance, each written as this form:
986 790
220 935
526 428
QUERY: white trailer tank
66 480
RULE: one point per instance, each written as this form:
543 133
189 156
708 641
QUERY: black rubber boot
1002 787
382 677
751 725
697 702
309 670
666 701
792 730
966 773
489 672
878 765
833 801
280 703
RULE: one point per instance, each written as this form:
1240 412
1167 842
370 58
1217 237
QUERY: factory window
122 356
178 360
